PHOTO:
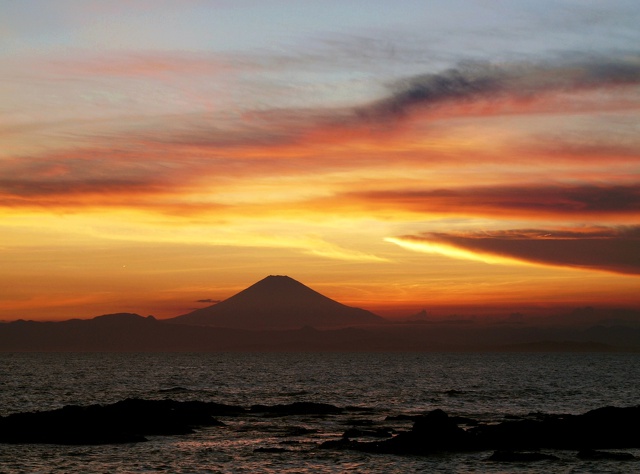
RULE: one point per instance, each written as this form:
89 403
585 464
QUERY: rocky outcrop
515 439
371 433
607 427
592 454
127 421
297 408
515 456
432 432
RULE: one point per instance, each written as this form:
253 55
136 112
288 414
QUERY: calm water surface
485 386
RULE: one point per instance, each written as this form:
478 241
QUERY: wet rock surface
515 456
370 433
514 439
600 455
127 421
608 427
435 431
131 420
270 450
297 408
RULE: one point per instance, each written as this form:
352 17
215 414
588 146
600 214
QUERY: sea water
485 386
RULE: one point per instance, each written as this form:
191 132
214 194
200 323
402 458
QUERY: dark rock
342 444
298 431
436 424
377 433
220 409
454 393
511 435
607 427
174 390
460 420
161 417
597 455
512 417
432 432
127 421
270 450
512 456
358 408
402 417
463 420
356 422
297 408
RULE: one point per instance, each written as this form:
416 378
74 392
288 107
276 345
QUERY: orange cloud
473 90
169 161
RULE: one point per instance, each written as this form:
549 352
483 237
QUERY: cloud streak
145 66
610 249
469 90
527 200
174 156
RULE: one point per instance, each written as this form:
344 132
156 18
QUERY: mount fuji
278 302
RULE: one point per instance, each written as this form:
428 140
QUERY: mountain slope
278 302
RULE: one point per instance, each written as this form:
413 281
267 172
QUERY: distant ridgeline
279 313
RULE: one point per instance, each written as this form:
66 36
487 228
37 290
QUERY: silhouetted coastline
280 314
133 333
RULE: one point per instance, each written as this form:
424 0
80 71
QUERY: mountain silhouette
278 302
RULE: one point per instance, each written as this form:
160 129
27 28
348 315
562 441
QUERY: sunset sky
459 156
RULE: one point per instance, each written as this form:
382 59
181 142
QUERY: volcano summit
278 302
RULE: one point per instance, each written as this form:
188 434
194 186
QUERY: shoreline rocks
600 455
127 421
518 456
607 427
297 408
132 420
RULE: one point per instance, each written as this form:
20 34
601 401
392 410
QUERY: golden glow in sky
156 155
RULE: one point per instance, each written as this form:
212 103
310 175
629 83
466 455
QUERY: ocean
484 386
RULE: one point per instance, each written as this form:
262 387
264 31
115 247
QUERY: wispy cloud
174 154
145 66
467 90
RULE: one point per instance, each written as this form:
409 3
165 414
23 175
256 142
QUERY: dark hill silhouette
278 302
122 318
130 332
419 316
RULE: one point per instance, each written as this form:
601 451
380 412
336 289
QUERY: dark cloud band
484 80
602 248
525 199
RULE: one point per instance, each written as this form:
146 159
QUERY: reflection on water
484 386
